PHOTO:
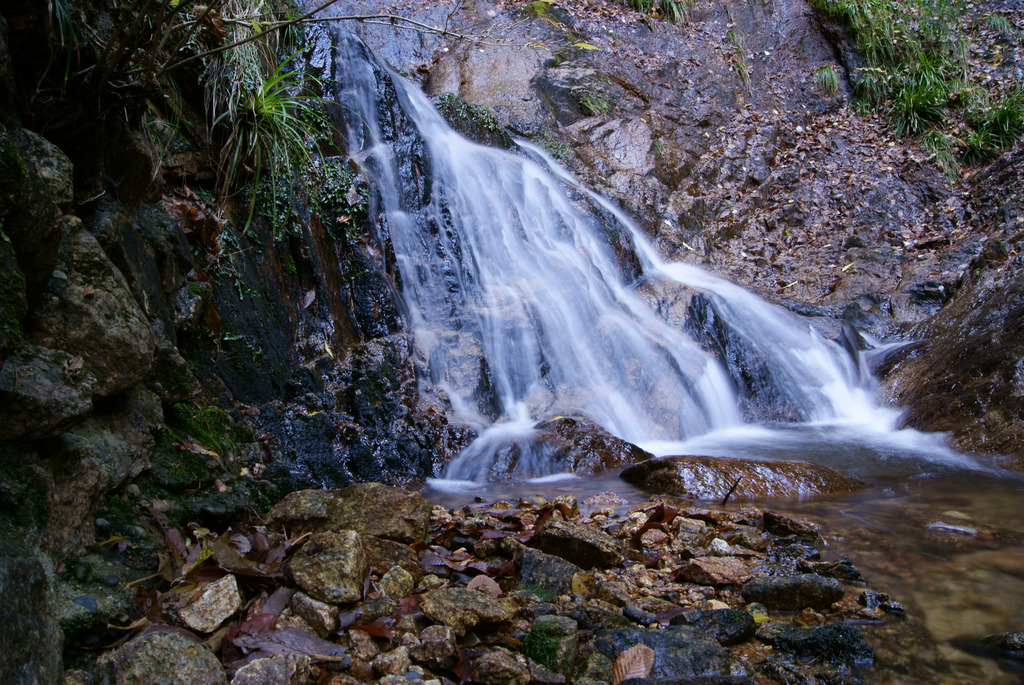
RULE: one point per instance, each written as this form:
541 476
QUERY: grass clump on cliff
919 72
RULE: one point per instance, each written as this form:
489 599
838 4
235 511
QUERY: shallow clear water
949 546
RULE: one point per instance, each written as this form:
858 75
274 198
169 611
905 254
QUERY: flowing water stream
528 297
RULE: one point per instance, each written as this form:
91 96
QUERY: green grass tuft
827 79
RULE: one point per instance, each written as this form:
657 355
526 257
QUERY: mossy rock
473 121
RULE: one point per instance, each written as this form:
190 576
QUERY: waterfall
522 291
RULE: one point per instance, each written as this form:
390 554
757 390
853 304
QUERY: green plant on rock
919 73
593 103
676 11
915 110
943 148
827 79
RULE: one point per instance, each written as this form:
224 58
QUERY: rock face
964 376
369 508
92 313
711 478
28 623
43 393
35 191
156 658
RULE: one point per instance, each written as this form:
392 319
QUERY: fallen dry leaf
485 584
635 662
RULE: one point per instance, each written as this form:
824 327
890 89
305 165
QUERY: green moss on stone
209 425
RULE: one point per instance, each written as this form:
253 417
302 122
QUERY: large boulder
88 310
367 508
712 478
581 446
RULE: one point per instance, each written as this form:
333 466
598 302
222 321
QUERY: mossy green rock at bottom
552 641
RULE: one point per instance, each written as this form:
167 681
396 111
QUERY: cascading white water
519 306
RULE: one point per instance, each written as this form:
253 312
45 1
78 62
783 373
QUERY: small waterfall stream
521 289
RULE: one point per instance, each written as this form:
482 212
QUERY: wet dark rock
793 593
964 376
680 653
880 600
728 626
1005 642
783 525
548 571
711 478
841 569
159 658
35 192
29 629
43 393
579 544
581 446
838 644
368 508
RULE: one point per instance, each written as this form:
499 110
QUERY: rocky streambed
372 583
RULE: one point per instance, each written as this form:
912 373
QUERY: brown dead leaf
635 662
485 584
88 291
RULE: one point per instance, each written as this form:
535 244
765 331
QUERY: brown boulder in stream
711 478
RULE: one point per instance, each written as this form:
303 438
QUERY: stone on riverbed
331 567
583 545
159 658
711 478
367 508
794 593
680 652
217 602
463 609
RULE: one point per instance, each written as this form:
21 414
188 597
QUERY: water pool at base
949 547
